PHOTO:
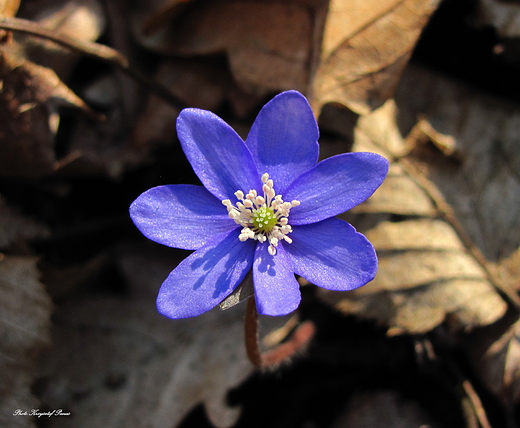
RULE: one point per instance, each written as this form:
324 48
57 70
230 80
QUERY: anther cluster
263 218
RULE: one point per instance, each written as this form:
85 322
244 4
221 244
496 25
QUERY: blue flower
266 206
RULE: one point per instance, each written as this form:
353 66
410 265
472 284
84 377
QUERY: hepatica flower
266 206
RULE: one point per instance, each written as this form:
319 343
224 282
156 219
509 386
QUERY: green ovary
264 219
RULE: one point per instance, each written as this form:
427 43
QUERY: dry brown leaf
276 45
268 44
424 275
366 46
482 183
384 409
126 365
428 271
25 310
30 97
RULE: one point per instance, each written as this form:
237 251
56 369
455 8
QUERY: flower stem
283 352
251 333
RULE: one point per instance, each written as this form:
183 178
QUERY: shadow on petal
227 263
276 289
206 277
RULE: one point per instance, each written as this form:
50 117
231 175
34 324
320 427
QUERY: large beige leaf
481 180
442 225
480 183
366 45
25 310
126 365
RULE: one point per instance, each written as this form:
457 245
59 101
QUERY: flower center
264 218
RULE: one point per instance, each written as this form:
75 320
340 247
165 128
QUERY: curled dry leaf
126 365
429 271
25 311
366 46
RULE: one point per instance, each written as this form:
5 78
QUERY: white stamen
263 218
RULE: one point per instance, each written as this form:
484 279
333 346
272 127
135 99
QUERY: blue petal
206 277
217 154
284 139
276 290
332 255
180 216
335 185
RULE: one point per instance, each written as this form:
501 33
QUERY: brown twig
94 50
283 352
